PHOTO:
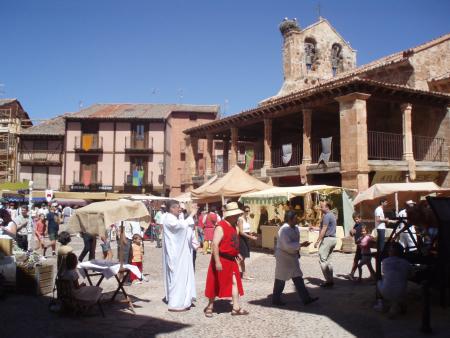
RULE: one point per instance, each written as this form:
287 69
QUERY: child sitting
392 287
81 292
365 242
137 250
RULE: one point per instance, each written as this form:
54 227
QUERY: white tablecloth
107 268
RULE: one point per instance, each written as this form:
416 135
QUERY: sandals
208 312
239 312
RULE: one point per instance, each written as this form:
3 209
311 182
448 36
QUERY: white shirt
287 253
379 212
128 229
136 228
13 212
404 238
245 225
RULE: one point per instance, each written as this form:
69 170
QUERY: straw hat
232 209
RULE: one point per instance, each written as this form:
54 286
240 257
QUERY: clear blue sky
56 53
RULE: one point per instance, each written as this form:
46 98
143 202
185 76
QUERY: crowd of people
226 235
22 224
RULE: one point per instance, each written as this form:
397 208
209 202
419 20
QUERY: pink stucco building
131 148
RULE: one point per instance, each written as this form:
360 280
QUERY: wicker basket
37 280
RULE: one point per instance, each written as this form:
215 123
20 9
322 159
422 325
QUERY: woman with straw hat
223 279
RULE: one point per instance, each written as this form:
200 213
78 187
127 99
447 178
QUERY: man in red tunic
224 279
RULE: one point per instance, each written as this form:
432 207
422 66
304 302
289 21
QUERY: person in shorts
53 228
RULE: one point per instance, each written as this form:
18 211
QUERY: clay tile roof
396 57
139 111
441 77
53 127
305 93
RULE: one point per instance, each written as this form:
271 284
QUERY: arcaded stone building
335 123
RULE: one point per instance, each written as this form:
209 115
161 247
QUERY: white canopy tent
395 193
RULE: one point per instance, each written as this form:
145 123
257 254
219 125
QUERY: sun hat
232 209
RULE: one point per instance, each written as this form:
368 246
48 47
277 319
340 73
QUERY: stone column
408 154
354 147
226 149
307 115
267 143
209 154
234 147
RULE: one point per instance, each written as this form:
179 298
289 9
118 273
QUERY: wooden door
40 177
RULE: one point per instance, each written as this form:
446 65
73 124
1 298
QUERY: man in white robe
287 261
178 269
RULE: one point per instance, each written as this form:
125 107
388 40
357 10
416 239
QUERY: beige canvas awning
405 191
283 194
235 183
95 217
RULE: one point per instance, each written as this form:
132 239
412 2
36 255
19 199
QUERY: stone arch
310 52
336 57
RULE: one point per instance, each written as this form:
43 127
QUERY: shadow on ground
349 304
23 315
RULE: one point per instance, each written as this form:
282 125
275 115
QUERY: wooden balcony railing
430 149
48 157
277 156
384 146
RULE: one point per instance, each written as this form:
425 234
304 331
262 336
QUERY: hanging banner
249 160
400 177
287 153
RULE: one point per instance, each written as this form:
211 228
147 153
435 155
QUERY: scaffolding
10 126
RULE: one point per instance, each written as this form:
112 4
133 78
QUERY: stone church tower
313 54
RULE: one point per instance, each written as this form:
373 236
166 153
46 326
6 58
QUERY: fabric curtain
347 208
286 153
87 142
249 160
326 150
87 177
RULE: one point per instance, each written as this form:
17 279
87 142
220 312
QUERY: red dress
219 283
209 225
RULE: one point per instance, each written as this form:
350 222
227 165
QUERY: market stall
271 204
395 193
94 219
235 183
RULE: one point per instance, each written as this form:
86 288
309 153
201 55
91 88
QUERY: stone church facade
335 123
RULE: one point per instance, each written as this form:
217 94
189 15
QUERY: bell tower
313 55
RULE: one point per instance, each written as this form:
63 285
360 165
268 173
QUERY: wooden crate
38 280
